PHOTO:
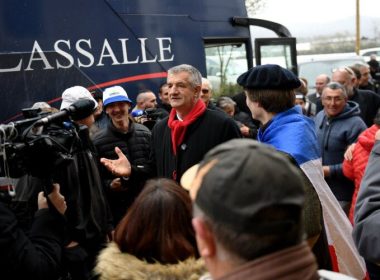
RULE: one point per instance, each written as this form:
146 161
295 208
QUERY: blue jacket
334 136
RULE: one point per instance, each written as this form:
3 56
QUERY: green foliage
227 90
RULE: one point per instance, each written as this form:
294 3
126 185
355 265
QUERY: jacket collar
296 262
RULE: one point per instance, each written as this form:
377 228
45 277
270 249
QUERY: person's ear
205 238
197 91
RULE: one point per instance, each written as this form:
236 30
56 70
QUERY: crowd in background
164 186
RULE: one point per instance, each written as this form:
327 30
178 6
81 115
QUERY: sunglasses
205 91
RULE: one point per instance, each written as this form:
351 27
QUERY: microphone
78 110
137 113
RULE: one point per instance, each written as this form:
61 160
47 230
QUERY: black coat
37 256
209 130
135 144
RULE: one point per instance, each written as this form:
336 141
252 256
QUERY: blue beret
269 76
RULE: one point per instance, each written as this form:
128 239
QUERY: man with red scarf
191 130
182 139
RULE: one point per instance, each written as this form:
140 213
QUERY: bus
47 46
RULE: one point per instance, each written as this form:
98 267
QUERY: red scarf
178 128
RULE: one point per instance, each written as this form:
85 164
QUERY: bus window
279 55
281 51
224 64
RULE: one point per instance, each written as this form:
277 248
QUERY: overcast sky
313 17
301 11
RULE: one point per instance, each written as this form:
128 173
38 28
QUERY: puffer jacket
112 264
355 168
135 144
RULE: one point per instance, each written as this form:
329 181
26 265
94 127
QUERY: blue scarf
292 133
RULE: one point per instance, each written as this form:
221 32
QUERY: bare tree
254 6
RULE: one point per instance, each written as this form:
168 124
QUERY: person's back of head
227 105
157 227
249 197
271 86
74 94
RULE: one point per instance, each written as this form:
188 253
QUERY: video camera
147 117
42 142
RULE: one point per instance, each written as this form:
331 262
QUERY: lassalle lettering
82 54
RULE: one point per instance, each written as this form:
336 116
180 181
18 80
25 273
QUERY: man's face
300 101
333 101
206 93
99 109
182 95
150 100
164 94
364 71
118 111
344 78
256 110
320 83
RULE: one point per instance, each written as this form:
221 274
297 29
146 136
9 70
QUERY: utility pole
357 46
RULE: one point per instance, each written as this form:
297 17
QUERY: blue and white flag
293 133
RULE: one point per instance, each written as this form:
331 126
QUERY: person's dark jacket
37 256
135 144
369 103
367 214
210 129
241 104
334 136
212 106
101 121
88 215
245 119
164 106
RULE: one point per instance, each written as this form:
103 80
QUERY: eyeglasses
205 91
335 98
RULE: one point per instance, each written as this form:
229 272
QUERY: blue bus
47 46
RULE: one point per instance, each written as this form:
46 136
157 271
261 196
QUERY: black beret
269 76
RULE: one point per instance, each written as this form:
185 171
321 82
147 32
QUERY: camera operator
89 217
146 111
38 255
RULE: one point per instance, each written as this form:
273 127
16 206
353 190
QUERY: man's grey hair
195 75
207 81
225 101
335 86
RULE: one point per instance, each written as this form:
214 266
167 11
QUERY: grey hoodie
334 136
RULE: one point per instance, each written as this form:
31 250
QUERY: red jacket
355 168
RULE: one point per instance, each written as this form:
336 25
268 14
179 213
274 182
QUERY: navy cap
269 76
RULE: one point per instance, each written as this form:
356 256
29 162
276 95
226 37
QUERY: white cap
115 94
73 94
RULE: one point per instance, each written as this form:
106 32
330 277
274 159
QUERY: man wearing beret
270 96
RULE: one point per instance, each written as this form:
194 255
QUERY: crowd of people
272 183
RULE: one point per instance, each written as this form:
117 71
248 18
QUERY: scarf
178 128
